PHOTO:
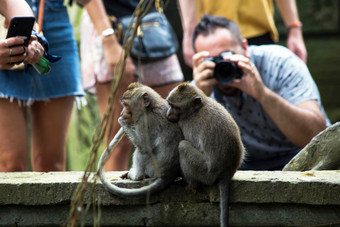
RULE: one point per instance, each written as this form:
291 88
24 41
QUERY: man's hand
203 72
251 82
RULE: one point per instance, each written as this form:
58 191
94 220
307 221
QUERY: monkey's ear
197 103
147 100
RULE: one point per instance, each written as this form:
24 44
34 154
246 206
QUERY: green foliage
318 17
82 128
323 63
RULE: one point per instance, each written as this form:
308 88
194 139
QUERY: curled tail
156 185
224 202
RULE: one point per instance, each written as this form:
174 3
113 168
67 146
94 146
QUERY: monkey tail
106 154
156 185
224 202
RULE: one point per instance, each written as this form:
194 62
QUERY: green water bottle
42 66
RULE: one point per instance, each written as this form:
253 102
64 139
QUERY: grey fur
154 137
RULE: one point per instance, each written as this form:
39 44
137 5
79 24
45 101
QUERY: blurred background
321 28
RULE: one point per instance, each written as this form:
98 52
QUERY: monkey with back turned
212 149
143 120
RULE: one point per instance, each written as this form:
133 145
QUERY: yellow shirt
254 17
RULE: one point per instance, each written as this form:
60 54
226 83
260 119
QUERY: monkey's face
184 100
126 113
173 113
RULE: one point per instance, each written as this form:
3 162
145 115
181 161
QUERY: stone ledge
258 198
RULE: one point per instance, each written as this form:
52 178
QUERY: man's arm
189 21
299 123
290 17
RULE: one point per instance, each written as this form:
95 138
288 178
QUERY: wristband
108 32
295 24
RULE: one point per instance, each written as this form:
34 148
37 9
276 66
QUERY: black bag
155 38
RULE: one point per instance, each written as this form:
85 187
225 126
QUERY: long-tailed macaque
143 120
212 149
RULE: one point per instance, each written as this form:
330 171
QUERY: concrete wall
257 199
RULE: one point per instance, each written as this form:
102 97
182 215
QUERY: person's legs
13 137
119 159
50 121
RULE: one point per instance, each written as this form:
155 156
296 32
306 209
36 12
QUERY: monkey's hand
122 122
128 129
125 175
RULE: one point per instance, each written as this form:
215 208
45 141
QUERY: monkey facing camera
225 71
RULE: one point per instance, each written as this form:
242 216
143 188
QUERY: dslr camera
225 71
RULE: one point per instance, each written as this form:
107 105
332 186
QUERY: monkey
143 120
212 149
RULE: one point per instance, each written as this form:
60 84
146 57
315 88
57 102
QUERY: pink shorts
94 68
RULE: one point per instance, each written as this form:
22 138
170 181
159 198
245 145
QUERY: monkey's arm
129 130
139 162
194 164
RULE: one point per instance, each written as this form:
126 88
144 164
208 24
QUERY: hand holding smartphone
21 27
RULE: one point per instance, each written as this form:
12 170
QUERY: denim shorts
64 79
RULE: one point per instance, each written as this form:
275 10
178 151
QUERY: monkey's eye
123 102
174 107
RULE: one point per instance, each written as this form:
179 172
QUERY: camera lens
225 72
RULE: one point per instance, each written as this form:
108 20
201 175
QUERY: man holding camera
267 89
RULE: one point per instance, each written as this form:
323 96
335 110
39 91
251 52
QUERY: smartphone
21 27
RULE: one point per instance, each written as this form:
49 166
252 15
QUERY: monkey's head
137 100
184 100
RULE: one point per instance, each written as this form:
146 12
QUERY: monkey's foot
189 188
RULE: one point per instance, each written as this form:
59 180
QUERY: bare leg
50 121
119 159
13 137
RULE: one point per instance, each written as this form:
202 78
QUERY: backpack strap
41 15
